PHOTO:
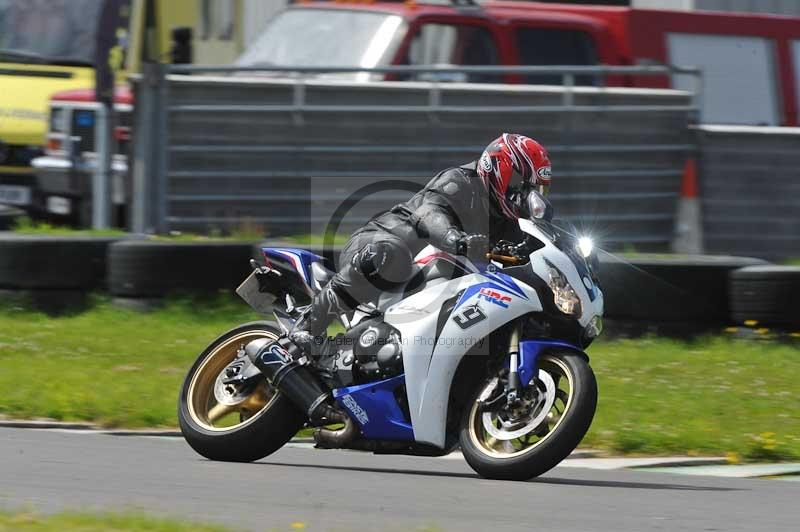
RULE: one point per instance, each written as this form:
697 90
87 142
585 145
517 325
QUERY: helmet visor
536 205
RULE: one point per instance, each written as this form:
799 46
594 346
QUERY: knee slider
384 264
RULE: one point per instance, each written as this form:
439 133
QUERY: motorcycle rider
460 211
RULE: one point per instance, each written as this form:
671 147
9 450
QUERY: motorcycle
485 356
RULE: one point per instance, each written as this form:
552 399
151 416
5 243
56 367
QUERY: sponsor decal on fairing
492 296
469 317
355 409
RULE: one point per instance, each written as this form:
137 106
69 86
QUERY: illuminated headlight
585 246
58 120
594 328
564 295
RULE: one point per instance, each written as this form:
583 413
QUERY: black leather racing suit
379 256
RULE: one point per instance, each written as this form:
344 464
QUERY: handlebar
506 259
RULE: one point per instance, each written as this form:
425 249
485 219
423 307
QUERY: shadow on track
539 480
625 485
377 470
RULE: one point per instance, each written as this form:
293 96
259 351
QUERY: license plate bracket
250 291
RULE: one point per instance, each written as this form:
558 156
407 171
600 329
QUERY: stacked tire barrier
152 268
664 288
766 296
658 294
52 263
50 273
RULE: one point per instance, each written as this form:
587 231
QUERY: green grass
21 521
107 365
316 240
244 233
123 368
26 226
712 396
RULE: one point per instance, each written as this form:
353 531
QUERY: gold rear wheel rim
205 410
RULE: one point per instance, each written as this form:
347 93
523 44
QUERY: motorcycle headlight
585 246
564 295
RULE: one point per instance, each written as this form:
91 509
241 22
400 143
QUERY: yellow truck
48 47
44 47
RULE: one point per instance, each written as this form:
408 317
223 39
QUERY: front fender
529 352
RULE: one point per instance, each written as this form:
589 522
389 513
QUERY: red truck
751 63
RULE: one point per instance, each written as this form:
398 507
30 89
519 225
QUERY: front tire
248 424
486 437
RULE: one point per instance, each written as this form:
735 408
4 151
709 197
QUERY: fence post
101 178
160 149
569 88
298 98
149 150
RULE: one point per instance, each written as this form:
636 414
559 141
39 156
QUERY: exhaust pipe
302 387
292 378
336 439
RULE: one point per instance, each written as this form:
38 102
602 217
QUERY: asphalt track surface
344 490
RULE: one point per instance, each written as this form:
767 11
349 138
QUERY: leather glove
475 247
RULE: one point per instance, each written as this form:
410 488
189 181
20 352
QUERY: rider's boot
309 331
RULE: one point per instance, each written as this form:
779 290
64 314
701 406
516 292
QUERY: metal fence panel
749 185
283 154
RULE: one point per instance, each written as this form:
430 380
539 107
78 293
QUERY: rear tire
252 439
550 449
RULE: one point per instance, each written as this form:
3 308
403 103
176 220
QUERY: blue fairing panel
374 407
300 259
529 351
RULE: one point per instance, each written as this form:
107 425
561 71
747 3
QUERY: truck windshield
48 31
325 37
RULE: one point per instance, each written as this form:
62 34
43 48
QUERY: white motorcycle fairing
432 350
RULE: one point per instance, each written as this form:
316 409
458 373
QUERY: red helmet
511 153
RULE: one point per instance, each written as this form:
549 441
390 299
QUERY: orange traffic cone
688 222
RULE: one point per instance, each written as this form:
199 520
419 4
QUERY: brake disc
231 394
537 415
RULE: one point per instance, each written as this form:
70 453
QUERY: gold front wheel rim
210 414
503 449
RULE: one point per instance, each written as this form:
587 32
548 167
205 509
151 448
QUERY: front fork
514 386
522 360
